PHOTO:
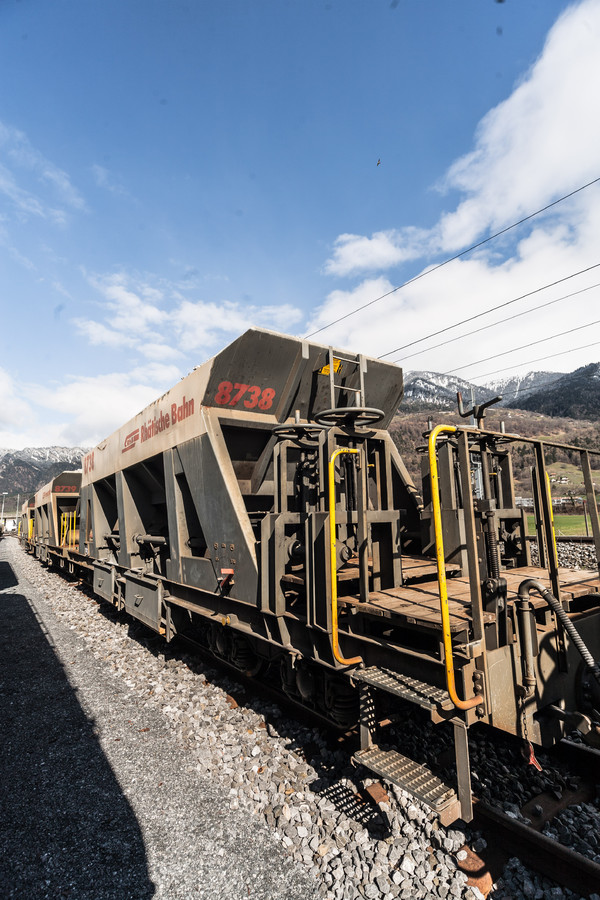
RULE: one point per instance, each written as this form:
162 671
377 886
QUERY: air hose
532 584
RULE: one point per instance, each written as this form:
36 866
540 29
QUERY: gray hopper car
261 509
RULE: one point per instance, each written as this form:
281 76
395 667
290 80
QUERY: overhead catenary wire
491 310
541 359
542 387
456 256
501 322
522 347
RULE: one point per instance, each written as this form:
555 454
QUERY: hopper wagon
51 525
261 509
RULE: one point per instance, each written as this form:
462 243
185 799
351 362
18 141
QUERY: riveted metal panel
143 599
104 580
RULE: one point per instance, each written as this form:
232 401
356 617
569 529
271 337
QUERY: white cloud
14 411
100 335
383 250
91 408
467 288
156 350
132 316
202 326
538 144
21 161
105 180
155 319
339 303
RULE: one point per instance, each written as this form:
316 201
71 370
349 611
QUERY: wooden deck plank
420 604
573 582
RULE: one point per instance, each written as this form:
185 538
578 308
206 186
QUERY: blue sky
172 173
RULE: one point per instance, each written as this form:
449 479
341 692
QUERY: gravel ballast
133 772
99 799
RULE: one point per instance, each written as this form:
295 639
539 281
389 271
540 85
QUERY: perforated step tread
419 692
413 777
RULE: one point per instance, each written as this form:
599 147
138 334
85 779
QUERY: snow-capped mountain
424 389
25 471
574 394
434 389
517 387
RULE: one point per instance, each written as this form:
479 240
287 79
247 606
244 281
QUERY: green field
573 525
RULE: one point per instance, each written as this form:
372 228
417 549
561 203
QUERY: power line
541 359
542 387
522 347
453 258
501 322
491 309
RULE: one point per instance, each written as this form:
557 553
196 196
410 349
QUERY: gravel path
98 798
168 786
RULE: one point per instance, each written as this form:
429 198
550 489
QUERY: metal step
414 778
419 692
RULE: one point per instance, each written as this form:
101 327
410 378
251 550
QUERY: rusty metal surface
543 808
413 689
412 777
204 518
556 861
260 376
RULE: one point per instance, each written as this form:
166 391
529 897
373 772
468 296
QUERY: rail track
505 836
526 839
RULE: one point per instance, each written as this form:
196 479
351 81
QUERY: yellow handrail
551 516
332 545
441 567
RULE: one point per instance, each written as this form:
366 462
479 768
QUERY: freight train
261 509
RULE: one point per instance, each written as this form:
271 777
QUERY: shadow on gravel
299 733
8 578
66 830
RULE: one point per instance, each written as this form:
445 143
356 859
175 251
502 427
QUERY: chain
528 751
524 728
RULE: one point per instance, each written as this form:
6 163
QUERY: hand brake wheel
350 416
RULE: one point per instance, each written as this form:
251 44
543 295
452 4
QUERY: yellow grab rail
551 516
68 525
441 568
332 546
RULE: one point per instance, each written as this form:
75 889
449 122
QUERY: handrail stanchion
441 567
333 557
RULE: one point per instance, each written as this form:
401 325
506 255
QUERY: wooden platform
419 604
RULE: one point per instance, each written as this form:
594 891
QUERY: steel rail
540 852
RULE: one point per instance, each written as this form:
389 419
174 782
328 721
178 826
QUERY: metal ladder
335 361
414 777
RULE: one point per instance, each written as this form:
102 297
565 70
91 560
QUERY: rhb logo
162 420
131 440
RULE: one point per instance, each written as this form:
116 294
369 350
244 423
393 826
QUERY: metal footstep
419 692
414 778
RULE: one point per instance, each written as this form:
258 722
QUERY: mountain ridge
25 471
439 390
566 394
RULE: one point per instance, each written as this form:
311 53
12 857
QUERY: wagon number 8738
229 394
